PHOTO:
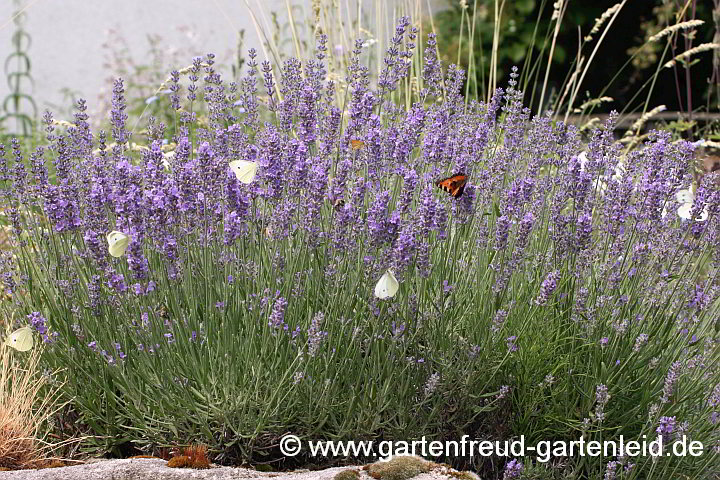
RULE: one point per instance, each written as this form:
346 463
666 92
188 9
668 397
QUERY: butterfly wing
685 196
457 193
684 211
244 171
387 286
454 185
357 144
117 243
21 339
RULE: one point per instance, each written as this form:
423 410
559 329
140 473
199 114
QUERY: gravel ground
142 469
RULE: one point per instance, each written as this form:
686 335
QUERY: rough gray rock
148 468
145 469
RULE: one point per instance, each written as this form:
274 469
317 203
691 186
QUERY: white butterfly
21 339
600 183
387 286
167 157
244 171
686 198
117 243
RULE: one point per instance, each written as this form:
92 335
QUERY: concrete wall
72 39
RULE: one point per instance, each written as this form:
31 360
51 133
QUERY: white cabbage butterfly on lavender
117 243
21 339
244 171
686 198
387 286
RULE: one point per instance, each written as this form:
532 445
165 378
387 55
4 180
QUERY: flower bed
191 299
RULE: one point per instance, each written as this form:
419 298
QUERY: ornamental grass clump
191 301
27 401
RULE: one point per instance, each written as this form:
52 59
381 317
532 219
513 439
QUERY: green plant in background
671 26
568 52
686 13
715 79
476 33
17 71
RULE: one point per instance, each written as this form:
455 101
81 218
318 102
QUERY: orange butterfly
454 185
357 144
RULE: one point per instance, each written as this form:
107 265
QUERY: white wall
67 36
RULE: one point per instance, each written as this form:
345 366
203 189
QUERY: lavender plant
555 298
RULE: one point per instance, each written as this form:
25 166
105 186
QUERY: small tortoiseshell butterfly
454 185
356 144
